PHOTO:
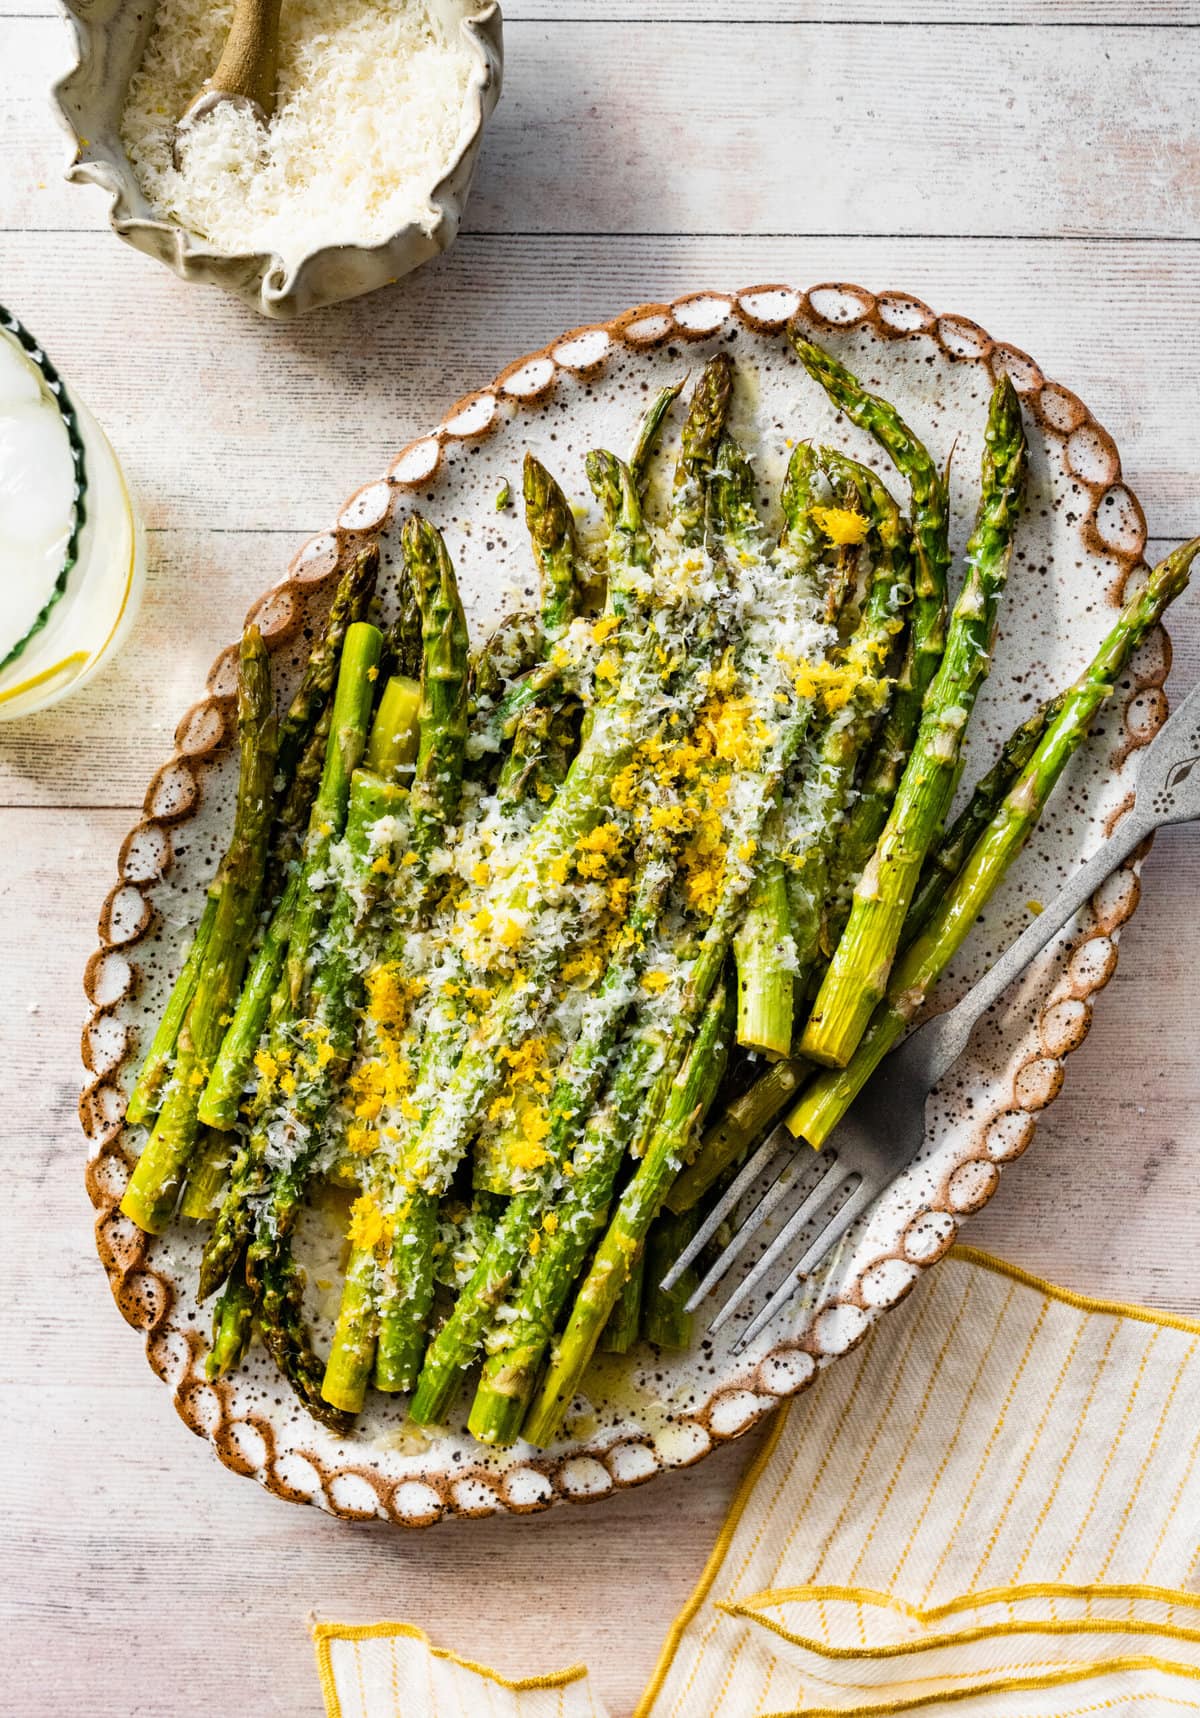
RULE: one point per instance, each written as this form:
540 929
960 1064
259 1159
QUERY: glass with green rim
72 554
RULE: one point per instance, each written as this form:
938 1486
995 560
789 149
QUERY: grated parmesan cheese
369 114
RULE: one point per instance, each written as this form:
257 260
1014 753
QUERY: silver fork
884 1128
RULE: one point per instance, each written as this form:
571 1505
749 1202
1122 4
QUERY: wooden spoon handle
249 63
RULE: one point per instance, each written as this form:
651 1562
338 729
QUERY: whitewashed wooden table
1038 171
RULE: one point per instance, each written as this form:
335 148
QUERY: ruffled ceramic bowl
111 37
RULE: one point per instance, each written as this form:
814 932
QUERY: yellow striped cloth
992 1505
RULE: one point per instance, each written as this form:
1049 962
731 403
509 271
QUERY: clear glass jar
61 490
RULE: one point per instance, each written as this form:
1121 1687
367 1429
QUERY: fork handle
1168 792
944 1038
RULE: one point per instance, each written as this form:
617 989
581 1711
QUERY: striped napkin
992 1505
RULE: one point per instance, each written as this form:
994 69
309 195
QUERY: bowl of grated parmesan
360 176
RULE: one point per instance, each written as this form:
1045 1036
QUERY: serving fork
884 1129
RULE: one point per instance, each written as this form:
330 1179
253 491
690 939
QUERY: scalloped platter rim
1082 539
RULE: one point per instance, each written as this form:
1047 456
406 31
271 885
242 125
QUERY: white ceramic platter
1081 539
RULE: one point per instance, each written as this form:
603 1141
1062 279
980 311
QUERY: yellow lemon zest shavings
368 1227
833 683
842 526
266 1064
525 1062
360 1140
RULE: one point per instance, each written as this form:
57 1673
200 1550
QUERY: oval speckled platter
1081 540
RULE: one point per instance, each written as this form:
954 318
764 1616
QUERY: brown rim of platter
145 1295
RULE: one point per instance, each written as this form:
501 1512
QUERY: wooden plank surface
869 14
1042 174
795 127
402 358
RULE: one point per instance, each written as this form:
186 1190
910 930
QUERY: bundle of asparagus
497 930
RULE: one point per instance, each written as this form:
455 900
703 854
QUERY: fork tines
851 1199
832 1195
778 1145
